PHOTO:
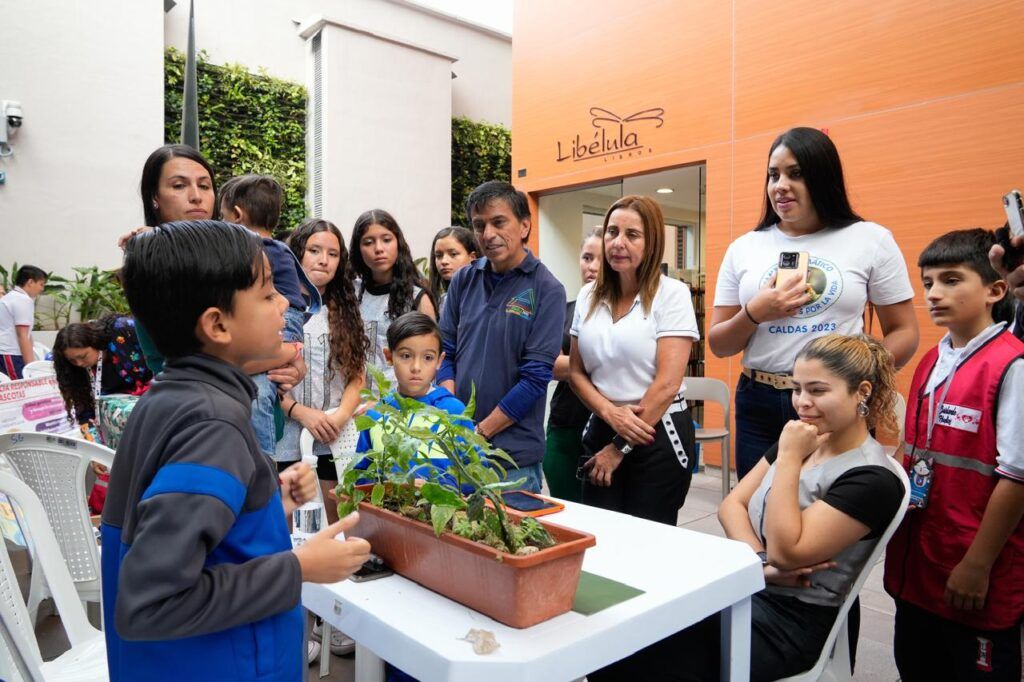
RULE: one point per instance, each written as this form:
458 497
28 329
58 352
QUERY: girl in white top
334 348
851 262
388 285
632 332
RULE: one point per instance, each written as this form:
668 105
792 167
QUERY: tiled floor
874 653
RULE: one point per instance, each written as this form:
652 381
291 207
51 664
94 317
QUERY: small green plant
91 293
407 482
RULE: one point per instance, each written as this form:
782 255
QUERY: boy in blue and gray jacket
199 577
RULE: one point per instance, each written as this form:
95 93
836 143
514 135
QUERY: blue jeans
266 391
533 473
761 413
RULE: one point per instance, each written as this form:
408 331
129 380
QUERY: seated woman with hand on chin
813 508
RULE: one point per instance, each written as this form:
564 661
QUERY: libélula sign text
614 136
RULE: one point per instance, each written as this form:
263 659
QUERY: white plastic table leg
736 642
369 666
326 634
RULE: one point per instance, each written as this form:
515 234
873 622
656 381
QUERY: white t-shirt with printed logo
847 268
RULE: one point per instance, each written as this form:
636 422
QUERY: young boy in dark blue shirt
199 577
254 201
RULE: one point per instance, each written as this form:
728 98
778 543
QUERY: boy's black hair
968 248
497 189
29 272
260 196
178 270
412 324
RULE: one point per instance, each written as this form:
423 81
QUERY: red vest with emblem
931 541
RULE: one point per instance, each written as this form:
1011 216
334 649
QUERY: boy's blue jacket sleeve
177 578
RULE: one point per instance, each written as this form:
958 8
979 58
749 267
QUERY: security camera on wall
11 118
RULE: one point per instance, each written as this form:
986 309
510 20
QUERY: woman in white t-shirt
631 335
334 349
388 283
850 262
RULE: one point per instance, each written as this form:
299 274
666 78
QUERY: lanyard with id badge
922 468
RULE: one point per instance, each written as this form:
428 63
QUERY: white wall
387 133
89 77
261 33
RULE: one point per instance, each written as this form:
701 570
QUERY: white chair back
40 349
716 391
343 450
834 662
55 468
18 647
39 368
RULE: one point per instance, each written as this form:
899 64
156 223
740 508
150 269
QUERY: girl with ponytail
813 508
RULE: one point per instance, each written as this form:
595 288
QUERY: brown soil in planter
519 591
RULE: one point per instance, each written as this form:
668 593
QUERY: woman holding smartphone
632 331
767 314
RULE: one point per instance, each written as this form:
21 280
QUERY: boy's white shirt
1010 415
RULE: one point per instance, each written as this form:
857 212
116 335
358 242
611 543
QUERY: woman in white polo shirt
850 262
632 331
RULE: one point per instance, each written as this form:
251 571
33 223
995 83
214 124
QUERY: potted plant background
468 547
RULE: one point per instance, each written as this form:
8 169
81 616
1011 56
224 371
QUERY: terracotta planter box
519 591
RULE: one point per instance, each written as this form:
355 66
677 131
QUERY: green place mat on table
595 593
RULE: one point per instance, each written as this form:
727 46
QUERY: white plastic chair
834 663
20 658
55 468
37 369
40 349
705 388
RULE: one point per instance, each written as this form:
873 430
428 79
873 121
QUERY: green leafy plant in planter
407 482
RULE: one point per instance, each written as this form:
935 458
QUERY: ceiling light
664 190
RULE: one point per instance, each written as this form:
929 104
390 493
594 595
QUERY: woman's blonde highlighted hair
608 288
860 358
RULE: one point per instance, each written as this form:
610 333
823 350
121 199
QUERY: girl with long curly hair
95 358
389 283
334 348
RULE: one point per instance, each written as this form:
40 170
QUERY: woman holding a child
768 316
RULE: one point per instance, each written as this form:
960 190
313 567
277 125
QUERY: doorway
565 217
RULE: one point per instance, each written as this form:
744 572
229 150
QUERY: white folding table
686 576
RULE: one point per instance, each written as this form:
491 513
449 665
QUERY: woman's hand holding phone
771 303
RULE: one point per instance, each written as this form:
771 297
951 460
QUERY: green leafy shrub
407 482
480 152
248 123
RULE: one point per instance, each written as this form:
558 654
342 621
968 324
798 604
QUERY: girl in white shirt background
851 262
632 332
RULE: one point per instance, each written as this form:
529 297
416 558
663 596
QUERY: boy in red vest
956 565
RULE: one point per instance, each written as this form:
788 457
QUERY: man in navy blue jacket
502 327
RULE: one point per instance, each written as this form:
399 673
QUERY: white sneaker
312 652
341 644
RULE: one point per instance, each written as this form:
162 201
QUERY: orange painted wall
925 101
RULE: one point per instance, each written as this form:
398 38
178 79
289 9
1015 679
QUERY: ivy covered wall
252 123
248 123
480 152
